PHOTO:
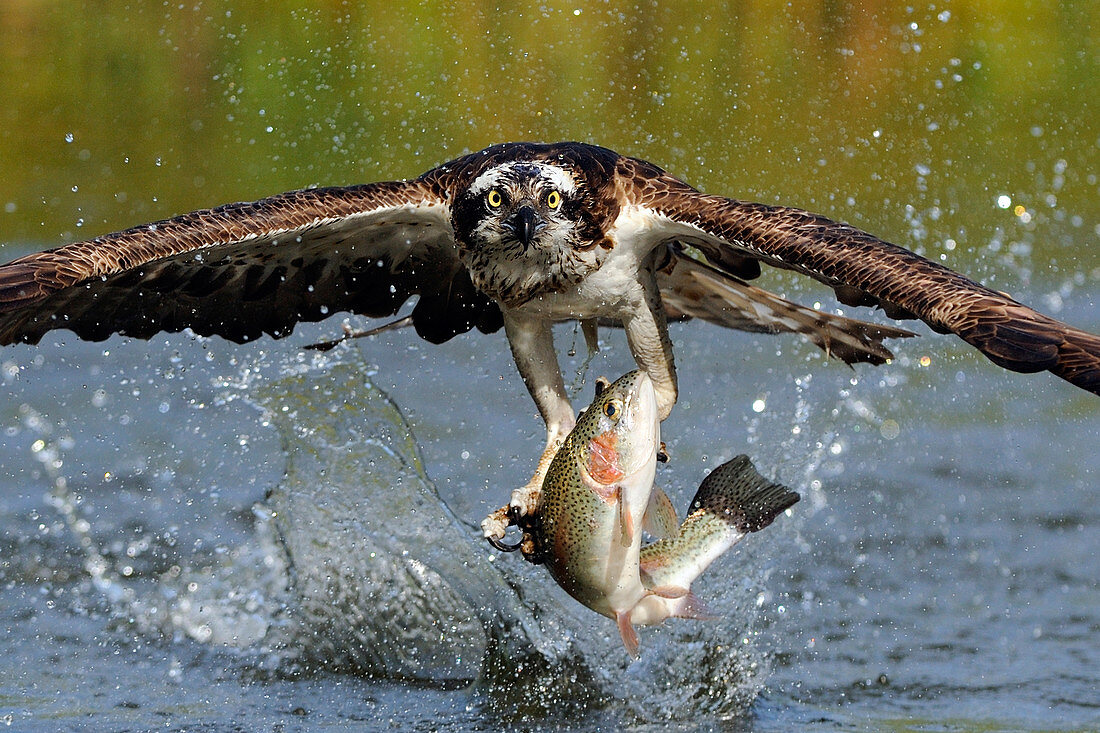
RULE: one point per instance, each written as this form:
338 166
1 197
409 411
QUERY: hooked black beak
524 223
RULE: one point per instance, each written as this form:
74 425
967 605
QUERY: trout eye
613 409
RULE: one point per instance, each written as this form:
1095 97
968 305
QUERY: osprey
519 235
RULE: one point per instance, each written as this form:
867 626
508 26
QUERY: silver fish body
595 495
598 495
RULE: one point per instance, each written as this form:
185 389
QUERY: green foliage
853 111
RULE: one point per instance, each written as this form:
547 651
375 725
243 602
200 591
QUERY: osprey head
518 206
522 228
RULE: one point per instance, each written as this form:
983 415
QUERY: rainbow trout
598 496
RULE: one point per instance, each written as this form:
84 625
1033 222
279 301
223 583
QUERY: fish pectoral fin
669 591
626 520
660 518
692 606
627 632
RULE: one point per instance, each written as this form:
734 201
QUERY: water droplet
890 429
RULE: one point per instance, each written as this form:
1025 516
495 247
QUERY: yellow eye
612 409
495 199
553 200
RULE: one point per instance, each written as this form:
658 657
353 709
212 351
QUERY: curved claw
502 546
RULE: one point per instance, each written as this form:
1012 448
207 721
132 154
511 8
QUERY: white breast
615 285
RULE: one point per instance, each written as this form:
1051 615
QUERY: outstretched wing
863 270
246 269
693 289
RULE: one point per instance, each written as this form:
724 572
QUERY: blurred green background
967 130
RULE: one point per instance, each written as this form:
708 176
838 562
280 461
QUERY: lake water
201 535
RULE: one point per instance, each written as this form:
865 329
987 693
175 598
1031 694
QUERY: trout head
617 436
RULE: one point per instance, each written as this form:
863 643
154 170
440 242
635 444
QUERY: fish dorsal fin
660 518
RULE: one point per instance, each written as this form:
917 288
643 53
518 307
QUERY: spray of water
357 565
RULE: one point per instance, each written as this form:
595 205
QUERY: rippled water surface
196 534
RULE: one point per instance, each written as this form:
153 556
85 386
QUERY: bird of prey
519 235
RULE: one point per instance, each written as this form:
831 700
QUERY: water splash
356 565
385 579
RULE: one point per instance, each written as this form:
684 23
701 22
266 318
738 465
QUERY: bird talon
523 502
496 525
503 546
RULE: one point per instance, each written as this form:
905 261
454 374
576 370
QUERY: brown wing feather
865 270
245 269
694 289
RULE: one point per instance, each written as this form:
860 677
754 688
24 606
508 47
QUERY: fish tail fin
738 495
627 632
692 606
